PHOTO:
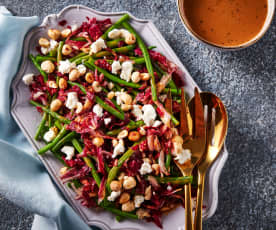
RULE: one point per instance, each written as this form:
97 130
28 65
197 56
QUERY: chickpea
142 213
98 141
156 168
110 95
89 78
55 105
126 98
63 170
65 33
129 182
125 107
115 185
48 66
144 76
110 85
74 75
66 50
85 49
79 108
123 134
54 129
52 84
62 83
125 197
134 136
128 206
96 87
130 39
135 77
148 193
87 104
44 42
54 34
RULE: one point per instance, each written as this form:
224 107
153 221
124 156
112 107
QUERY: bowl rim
249 43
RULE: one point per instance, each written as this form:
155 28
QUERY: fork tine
168 102
184 129
198 122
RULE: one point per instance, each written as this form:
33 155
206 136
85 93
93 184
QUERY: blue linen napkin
23 179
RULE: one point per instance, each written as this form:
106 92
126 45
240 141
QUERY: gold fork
193 133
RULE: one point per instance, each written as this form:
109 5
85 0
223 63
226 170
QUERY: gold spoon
194 142
216 128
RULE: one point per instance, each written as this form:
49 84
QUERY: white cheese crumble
69 151
183 156
49 135
28 78
113 196
116 66
98 110
118 149
37 94
97 46
156 124
149 114
72 100
107 121
79 107
74 27
138 200
137 112
113 34
82 69
65 66
169 188
127 68
145 168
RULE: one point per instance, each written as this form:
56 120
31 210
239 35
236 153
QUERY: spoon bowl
216 122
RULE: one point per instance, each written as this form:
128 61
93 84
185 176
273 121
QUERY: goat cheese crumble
145 168
138 200
65 66
149 114
127 68
28 78
69 151
183 156
116 66
97 46
113 196
72 100
98 110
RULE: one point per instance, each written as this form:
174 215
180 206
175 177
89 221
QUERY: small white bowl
267 23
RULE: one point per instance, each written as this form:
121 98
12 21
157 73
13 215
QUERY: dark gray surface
246 82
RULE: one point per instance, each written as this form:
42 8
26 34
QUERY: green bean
125 17
58 124
111 77
175 180
139 60
151 47
41 127
168 161
65 139
61 134
81 59
119 212
109 109
77 145
77 56
50 121
94 173
130 126
79 39
82 88
53 53
176 92
145 52
53 114
59 51
40 58
113 43
123 50
45 76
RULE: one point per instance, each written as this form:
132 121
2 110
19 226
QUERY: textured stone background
246 82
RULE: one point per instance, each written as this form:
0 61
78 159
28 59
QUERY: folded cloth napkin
23 179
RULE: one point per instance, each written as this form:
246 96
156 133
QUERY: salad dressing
226 22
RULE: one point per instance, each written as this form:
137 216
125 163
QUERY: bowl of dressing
226 24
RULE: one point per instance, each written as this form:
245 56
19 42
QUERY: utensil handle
199 201
188 208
